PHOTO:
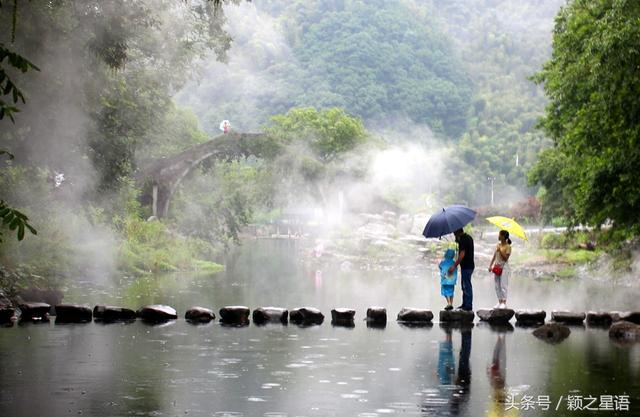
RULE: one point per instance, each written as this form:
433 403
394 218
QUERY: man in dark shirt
465 260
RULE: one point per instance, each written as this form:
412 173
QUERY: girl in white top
500 258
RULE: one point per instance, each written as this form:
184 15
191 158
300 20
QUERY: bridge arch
160 178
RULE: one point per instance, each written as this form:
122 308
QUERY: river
179 369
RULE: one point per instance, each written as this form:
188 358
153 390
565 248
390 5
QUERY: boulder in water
235 315
263 315
157 313
625 331
113 313
495 315
199 315
306 316
631 316
415 315
552 332
73 313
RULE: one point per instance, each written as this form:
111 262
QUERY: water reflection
454 388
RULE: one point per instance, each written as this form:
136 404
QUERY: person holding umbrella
451 220
467 265
500 268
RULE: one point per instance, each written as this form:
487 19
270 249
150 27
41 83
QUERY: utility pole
491 180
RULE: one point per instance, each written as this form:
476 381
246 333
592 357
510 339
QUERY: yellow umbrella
509 225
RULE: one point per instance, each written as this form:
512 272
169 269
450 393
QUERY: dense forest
404 104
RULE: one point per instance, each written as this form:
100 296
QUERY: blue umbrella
448 221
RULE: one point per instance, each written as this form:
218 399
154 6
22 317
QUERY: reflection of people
465 260
497 373
453 393
463 380
446 365
500 258
447 279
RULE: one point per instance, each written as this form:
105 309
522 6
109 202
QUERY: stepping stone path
495 315
157 313
264 315
376 316
599 318
73 313
113 313
343 317
415 315
306 316
530 316
567 317
34 311
457 316
235 315
199 315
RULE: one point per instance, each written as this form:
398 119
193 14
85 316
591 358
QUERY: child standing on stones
447 279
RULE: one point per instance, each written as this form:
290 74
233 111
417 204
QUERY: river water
179 369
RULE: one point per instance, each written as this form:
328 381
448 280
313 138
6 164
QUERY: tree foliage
593 116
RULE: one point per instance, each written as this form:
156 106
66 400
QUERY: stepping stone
264 315
457 315
157 313
199 315
567 317
530 316
552 332
343 317
376 316
235 315
73 313
599 318
625 331
415 315
495 315
113 313
34 310
306 316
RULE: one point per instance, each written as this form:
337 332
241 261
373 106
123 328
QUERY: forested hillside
461 68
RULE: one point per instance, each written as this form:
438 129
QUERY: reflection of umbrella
448 221
509 225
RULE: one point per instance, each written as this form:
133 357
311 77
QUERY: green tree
593 84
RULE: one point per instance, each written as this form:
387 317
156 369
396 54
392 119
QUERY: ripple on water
296 365
228 414
256 399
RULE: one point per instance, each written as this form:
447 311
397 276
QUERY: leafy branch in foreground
7 86
14 219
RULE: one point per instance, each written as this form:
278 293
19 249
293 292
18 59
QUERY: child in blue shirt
448 280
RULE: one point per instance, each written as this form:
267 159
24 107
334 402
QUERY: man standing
465 260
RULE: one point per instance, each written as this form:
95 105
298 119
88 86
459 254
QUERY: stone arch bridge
159 178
